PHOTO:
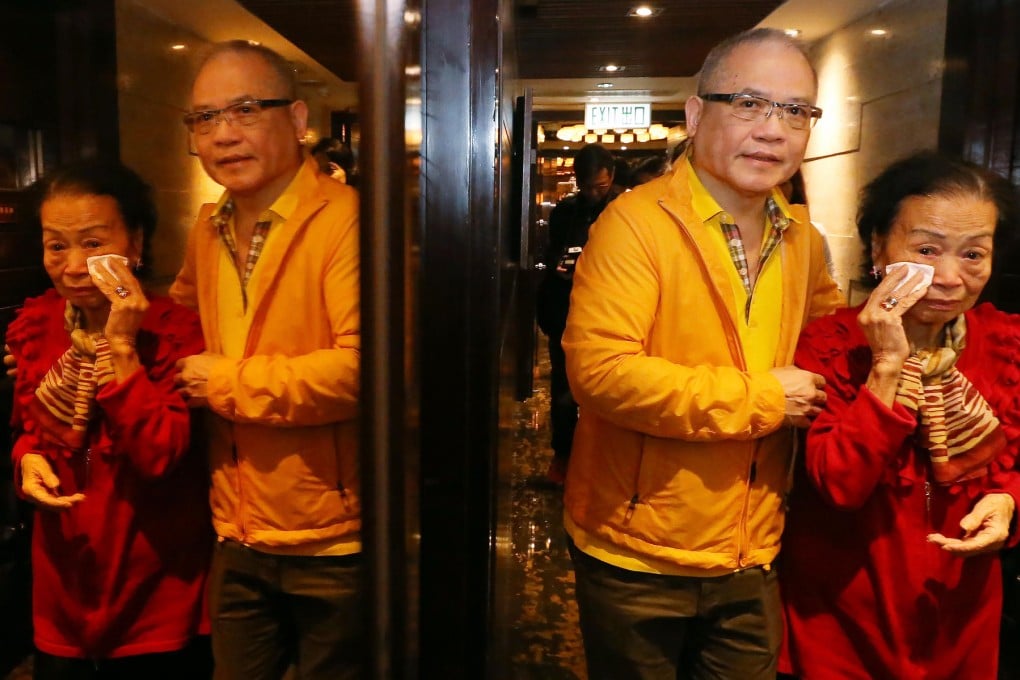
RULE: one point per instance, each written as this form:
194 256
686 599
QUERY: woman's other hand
985 528
41 486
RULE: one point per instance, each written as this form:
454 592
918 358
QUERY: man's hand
10 363
42 486
193 377
804 394
985 528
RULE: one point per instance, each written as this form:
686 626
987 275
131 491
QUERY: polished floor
544 641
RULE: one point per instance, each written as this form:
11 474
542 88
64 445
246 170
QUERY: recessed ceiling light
412 70
878 31
644 11
612 68
792 32
178 47
604 86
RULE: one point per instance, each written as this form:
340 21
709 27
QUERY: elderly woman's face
953 233
78 226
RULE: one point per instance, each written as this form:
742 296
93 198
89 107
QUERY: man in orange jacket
684 316
278 251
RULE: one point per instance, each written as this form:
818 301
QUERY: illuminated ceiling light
540 133
626 138
792 32
591 138
593 99
619 131
612 68
601 131
878 32
412 17
178 47
623 148
658 131
608 139
604 86
565 133
566 148
643 137
412 71
644 11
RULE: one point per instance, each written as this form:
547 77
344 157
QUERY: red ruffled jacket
124 571
865 595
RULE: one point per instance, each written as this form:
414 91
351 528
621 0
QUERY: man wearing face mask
272 268
568 233
684 316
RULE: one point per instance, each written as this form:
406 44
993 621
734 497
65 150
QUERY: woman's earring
876 273
138 264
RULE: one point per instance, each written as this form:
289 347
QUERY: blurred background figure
335 159
648 169
122 542
594 170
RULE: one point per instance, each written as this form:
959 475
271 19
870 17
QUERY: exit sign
609 116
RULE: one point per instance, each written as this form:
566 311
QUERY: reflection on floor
544 641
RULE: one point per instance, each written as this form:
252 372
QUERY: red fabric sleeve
853 441
147 418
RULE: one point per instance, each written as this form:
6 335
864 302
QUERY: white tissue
93 265
926 270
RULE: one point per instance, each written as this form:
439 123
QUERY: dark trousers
655 627
562 407
194 662
270 612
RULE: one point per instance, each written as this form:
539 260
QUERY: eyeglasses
753 108
243 113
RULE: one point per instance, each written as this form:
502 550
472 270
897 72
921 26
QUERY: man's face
248 160
743 159
594 190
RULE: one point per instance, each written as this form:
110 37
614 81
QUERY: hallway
544 638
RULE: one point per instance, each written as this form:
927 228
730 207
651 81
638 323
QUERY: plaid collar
221 220
779 223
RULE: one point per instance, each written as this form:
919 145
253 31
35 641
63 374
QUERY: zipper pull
630 508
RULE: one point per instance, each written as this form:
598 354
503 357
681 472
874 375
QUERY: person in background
335 159
594 171
684 315
796 192
908 485
278 252
648 169
121 543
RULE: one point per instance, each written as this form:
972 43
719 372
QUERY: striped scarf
957 425
68 390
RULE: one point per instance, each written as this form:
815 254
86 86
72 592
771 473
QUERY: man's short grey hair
283 69
712 68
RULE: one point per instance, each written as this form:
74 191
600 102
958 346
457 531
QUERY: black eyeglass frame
814 112
191 119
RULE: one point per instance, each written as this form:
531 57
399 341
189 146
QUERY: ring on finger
889 303
122 292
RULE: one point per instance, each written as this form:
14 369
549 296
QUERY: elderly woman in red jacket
122 541
890 565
